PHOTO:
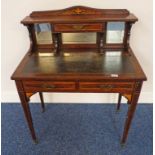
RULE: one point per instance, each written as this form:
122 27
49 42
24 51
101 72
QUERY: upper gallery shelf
81 14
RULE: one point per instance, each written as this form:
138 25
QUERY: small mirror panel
43 33
78 38
115 32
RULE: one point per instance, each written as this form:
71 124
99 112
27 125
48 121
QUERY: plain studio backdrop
15 43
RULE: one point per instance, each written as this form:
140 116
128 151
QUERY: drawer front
106 87
98 27
48 86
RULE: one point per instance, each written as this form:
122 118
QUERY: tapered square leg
119 101
28 116
26 109
42 101
131 110
128 102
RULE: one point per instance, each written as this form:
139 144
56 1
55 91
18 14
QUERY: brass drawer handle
78 27
106 86
48 86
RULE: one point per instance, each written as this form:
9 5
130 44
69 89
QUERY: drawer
96 27
48 86
106 87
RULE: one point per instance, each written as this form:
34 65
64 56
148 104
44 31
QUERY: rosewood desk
106 65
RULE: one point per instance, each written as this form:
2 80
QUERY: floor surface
76 129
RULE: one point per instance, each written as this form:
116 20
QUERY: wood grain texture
98 27
75 13
81 10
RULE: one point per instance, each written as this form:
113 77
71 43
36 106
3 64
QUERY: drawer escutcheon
106 86
78 27
48 86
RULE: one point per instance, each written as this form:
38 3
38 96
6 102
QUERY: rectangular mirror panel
43 33
78 38
115 32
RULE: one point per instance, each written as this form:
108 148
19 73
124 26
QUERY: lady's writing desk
101 62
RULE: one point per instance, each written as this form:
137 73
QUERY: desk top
80 64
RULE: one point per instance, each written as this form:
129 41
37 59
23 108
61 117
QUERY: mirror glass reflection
43 33
81 38
115 32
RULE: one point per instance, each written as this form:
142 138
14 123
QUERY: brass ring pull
106 86
48 86
78 27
